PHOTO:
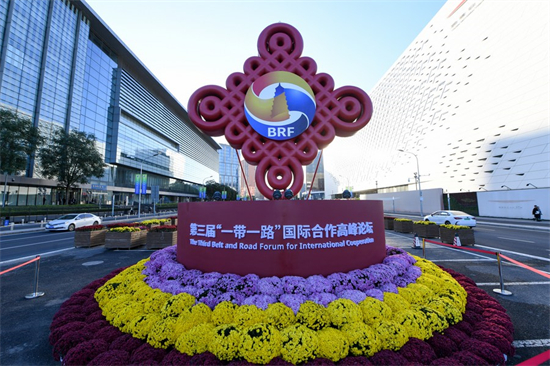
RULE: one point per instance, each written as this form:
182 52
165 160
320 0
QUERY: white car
72 221
452 217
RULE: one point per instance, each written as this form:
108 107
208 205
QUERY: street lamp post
5 186
418 177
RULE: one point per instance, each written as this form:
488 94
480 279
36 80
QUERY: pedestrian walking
537 213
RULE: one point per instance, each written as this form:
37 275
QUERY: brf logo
279 105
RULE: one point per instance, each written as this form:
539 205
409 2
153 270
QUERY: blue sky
188 44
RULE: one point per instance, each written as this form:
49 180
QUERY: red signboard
280 238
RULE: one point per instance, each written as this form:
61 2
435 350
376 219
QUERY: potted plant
465 233
174 220
89 236
154 222
162 236
403 225
125 237
426 229
388 222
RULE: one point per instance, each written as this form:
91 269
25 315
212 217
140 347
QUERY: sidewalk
32 227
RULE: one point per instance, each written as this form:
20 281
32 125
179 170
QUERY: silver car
452 217
72 221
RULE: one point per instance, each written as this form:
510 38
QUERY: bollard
35 294
501 290
12 224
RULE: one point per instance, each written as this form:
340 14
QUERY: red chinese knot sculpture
279 160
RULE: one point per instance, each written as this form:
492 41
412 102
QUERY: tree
19 140
212 187
71 158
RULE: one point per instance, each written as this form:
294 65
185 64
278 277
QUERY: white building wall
470 97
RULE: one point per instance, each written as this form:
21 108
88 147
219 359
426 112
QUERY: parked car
72 221
452 217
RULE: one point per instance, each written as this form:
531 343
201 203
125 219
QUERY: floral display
424 222
455 227
404 310
126 229
90 228
163 229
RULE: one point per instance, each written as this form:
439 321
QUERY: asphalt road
24 324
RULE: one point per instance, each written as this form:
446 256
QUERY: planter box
448 236
388 223
86 239
114 240
426 231
156 240
403 226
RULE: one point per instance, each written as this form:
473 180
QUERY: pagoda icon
279 112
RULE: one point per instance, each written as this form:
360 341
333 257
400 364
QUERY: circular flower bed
405 310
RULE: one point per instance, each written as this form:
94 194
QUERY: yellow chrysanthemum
396 302
226 342
374 310
299 344
392 335
279 315
162 334
247 315
333 344
177 304
313 315
142 324
196 340
344 311
260 343
415 323
224 313
363 340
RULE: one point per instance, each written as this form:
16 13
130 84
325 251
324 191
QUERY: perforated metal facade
469 97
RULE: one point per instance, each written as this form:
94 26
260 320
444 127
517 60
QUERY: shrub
91 228
163 229
424 223
404 220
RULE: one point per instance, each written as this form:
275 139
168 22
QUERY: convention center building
62 67
464 109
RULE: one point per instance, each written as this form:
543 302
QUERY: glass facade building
61 66
229 167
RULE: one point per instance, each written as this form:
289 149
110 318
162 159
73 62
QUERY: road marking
524 241
512 252
464 260
513 283
28 237
28 245
531 343
22 259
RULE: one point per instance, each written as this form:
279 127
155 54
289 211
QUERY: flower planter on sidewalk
86 239
159 240
426 230
402 226
388 222
125 240
447 235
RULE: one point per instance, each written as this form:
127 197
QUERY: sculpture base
280 238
